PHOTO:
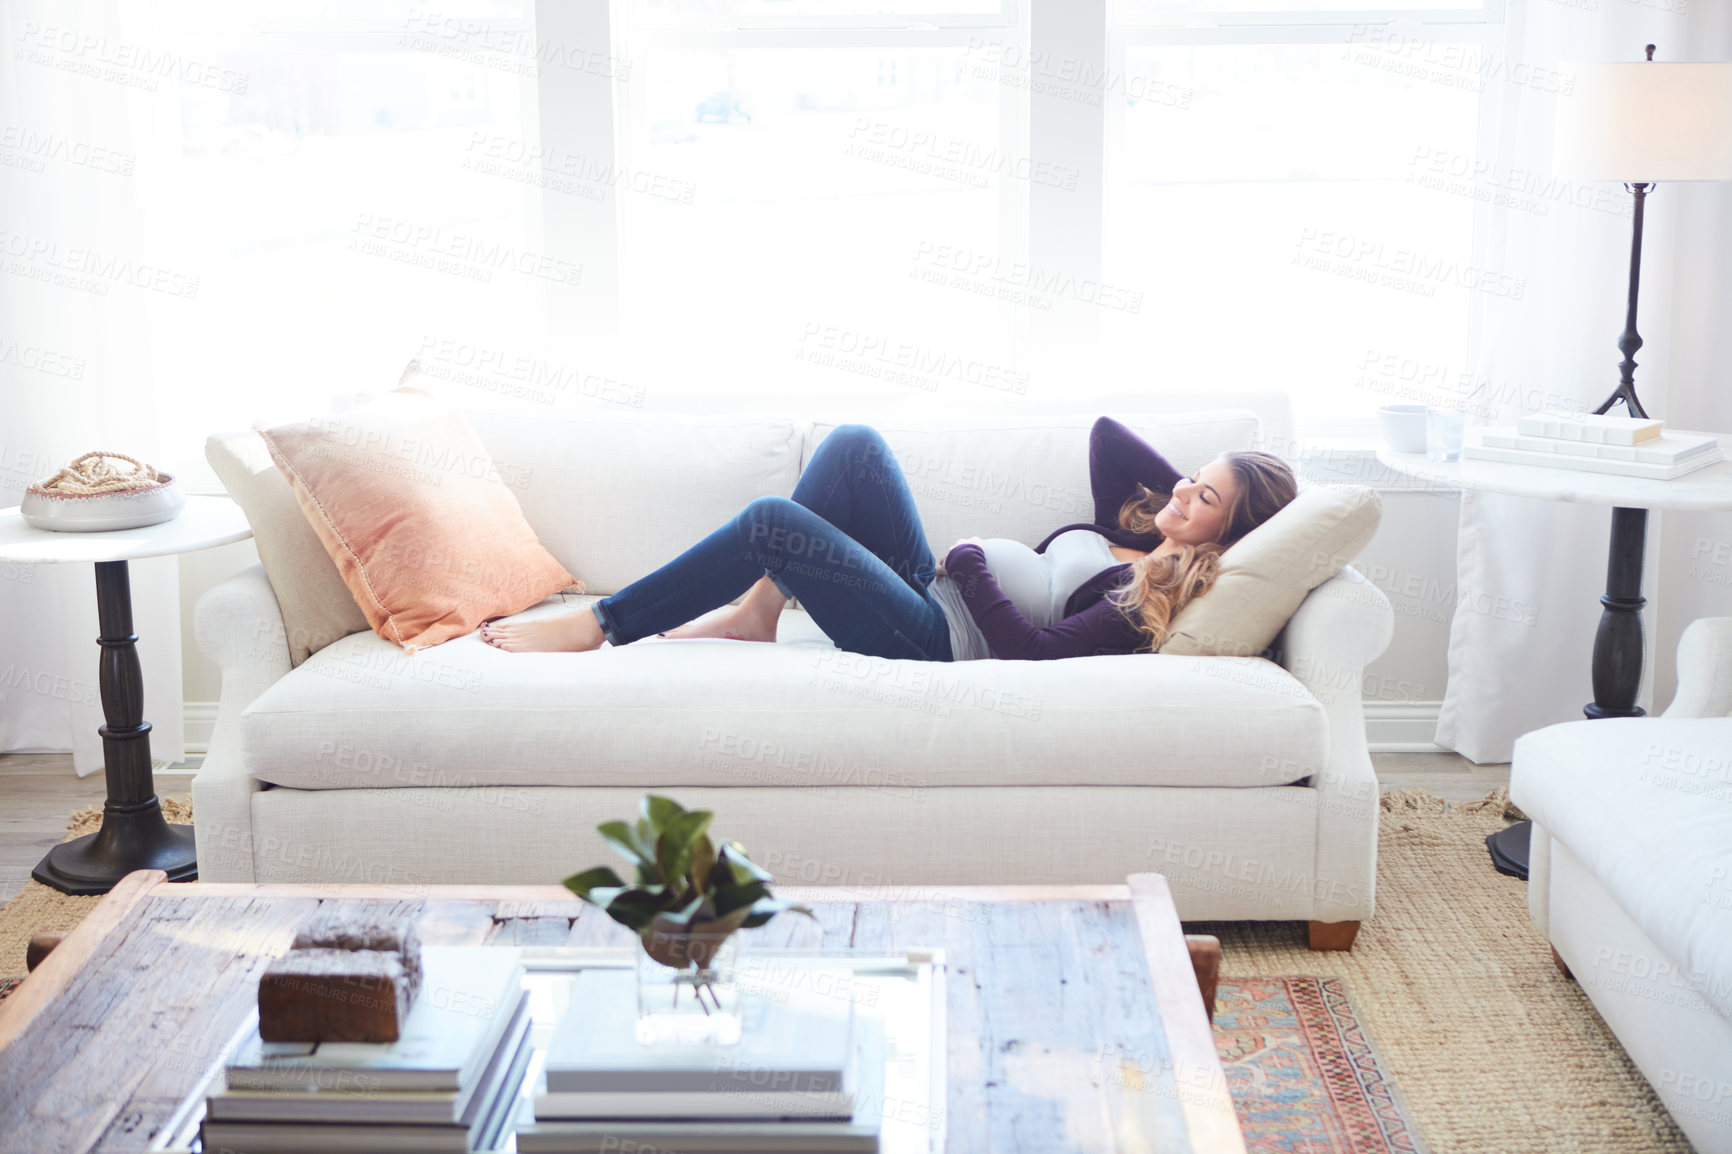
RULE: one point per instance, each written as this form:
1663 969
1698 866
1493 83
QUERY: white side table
133 835
1617 661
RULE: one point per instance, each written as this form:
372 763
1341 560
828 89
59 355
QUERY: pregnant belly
1023 575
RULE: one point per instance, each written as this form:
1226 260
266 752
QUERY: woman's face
1197 514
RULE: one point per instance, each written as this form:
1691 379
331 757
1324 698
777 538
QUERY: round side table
1617 660
133 835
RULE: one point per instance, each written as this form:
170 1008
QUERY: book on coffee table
436 1107
794 1042
487 1122
468 997
1605 428
467 1038
1665 449
858 1133
1621 468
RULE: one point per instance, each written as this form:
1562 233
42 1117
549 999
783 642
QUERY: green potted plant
687 898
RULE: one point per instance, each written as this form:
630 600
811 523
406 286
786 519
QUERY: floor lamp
1641 124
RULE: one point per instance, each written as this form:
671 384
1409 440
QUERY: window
807 174
1292 190
817 202
347 196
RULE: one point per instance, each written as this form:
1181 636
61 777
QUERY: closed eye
1201 497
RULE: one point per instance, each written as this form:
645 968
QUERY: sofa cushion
615 496
316 605
1268 572
1021 477
1646 805
361 714
421 524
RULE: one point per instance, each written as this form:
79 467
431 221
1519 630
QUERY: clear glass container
689 1006
1444 430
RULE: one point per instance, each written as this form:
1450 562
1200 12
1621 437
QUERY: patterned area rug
1304 1077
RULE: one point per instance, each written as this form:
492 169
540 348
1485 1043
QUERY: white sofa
1246 781
1630 877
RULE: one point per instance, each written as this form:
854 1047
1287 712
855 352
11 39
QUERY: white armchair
1630 877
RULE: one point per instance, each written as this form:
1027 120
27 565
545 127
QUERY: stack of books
449 1083
807 1075
1597 444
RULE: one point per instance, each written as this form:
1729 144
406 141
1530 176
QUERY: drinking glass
1444 429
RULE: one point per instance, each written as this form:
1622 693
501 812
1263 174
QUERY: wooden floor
38 791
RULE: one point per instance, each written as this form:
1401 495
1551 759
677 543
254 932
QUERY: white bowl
102 512
1403 427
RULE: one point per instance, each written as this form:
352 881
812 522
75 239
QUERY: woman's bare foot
574 632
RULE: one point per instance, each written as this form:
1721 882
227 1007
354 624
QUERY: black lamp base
131 838
1509 849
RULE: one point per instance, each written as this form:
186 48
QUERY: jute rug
1491 1048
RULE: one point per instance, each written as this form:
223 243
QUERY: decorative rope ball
98 473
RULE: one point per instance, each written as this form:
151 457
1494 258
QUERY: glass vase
690 1005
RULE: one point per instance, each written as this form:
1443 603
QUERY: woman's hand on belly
964 541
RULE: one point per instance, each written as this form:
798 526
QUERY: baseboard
198 720
1390 726
1399 726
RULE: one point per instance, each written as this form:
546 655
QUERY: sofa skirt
1227 854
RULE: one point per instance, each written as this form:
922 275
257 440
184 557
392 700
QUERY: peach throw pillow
424 531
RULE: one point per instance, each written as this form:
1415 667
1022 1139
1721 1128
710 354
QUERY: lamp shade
1645 122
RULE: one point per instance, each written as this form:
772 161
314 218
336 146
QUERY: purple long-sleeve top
1118 461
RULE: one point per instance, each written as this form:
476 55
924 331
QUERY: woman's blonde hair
1160 587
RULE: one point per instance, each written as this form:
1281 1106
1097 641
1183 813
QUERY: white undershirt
1038 584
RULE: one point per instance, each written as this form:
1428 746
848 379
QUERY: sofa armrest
1341 627
1704 670
239 625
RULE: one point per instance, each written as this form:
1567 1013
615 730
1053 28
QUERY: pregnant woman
849 544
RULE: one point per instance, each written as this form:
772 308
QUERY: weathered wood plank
791 931
1207 1104
530 932
593 928
559 894
141 1021
447 923
565 907
1053 985
135 1127
358 891
120 907
904 926
917 893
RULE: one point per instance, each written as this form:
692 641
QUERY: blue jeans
848 544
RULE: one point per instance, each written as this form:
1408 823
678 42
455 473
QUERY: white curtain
77 122
1531 572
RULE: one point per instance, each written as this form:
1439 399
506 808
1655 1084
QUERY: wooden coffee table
1074 1016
